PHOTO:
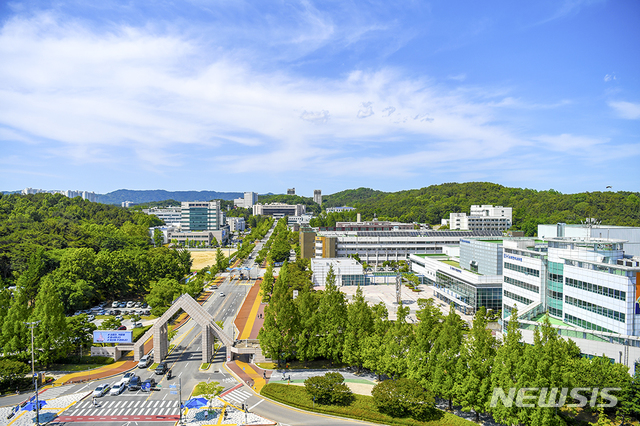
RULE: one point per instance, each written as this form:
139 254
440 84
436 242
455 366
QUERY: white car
144 361
115 304
101 390
118 388
127 377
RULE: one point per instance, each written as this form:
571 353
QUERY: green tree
429 322
222 262
80 333
110 324
163 293
158 237
10 370
359 326
332 317
329 389
278 334
266 286
479 351
51 335
307 342
506 369
373 349
444 357
397 343
15 335
404 397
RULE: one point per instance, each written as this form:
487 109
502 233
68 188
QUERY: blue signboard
112 336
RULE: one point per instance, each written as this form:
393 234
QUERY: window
609 313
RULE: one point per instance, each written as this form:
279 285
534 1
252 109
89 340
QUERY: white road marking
255 405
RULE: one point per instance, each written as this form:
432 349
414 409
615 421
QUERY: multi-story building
247 202
172 216
201 215
317 196
376 247
482 218
369 226
236 224
339 209
592 229
279 210
86 195
468 291
347 271
299 220
291 191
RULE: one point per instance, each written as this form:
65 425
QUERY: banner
112 336
637 293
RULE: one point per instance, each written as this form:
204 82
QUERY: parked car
122 327
147 311
144 306
127 377
91 317
102 390
161 368
117 312
137 305
115 304
117 389
119 317
148 385
140 312
130 304
134 383
122 305
144 361
137 325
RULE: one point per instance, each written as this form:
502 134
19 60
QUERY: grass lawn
362 408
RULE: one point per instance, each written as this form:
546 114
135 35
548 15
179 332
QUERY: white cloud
628 110
457 77
609 77
366 111
389 110
315 116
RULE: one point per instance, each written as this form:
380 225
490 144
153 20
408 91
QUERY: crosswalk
235 396
123 408
53 392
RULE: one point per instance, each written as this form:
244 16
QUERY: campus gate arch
159 331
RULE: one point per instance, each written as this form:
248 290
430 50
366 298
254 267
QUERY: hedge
362 408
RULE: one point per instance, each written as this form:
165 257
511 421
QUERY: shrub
402 398
329 389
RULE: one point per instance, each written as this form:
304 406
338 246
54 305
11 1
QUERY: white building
279 210
247 202
317 196
86 195
481 218
347 271
375 247
170 215
201 215
339 209
302 219
630 234
236 224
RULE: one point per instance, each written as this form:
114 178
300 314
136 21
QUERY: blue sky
263 96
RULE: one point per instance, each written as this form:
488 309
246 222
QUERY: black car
161 368
134 383
148 385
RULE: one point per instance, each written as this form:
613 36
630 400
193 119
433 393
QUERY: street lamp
33 325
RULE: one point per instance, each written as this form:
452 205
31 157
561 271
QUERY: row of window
584 324
555 312
517 297
600 310
558 278
554 294
597 289
522 269
522 284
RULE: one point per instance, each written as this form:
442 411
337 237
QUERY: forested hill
530 207
146 196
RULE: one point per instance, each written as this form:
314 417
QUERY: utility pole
33 325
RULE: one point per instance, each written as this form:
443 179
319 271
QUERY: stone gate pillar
160 342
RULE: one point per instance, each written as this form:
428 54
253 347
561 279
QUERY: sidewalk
250 374
251 315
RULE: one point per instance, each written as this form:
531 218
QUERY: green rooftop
492 241
432 255
452 263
